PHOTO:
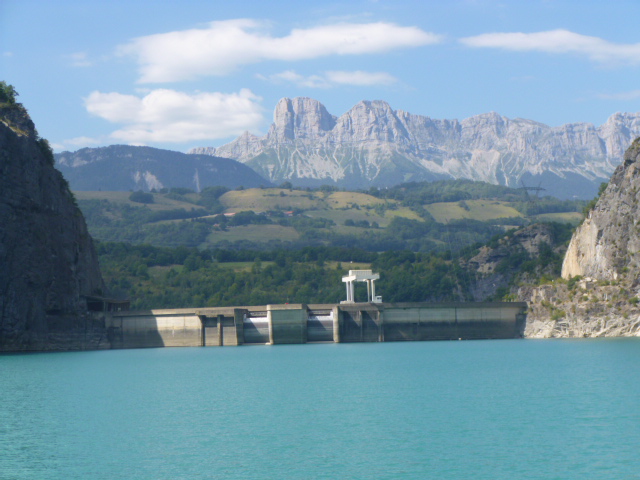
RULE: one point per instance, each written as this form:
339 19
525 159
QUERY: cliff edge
599 294
48 264
604 247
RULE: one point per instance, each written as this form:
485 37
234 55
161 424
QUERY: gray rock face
47 258
606 245
372 144
488 265
604 251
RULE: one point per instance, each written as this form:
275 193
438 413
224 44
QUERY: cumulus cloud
333 78
223 46
170 116
559 41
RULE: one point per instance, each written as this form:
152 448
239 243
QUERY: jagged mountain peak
372 144
300 117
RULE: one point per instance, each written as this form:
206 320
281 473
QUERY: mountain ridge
374 145
126 167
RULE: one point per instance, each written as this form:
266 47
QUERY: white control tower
362 276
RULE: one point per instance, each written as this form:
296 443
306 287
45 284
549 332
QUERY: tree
8 94
141 197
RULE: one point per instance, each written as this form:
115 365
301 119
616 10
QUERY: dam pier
321 323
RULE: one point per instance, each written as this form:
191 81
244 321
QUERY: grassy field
349 199
261 200
160 201
476 209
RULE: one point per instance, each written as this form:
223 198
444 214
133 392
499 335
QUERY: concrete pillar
337 320
238 320
203 330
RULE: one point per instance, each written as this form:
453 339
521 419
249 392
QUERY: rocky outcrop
372 144
606 244
600 290
580 309
496 265
48 264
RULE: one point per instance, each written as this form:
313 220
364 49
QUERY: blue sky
198 73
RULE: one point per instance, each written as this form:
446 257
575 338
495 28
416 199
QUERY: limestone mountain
48 264
372 144
124 167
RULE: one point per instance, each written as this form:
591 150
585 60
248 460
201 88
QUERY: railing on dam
300 323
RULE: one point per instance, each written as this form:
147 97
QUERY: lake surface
506 409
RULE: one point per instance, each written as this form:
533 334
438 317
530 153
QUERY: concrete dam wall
300 323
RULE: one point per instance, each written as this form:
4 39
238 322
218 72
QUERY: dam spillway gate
300 323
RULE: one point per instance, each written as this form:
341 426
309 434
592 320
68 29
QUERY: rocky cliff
605 246
372 144
47 259
600 291
531 251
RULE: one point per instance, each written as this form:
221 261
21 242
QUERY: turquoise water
508 409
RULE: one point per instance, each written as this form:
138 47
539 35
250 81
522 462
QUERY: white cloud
360 78
79 59
333 78
226 45
170 116
624 96
559 41
289 76
76 142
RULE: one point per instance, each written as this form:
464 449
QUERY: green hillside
419 216
482 210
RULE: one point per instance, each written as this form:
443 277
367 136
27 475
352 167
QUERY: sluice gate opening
296 324
256 327
320 326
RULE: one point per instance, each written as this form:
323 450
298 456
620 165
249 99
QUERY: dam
320 323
